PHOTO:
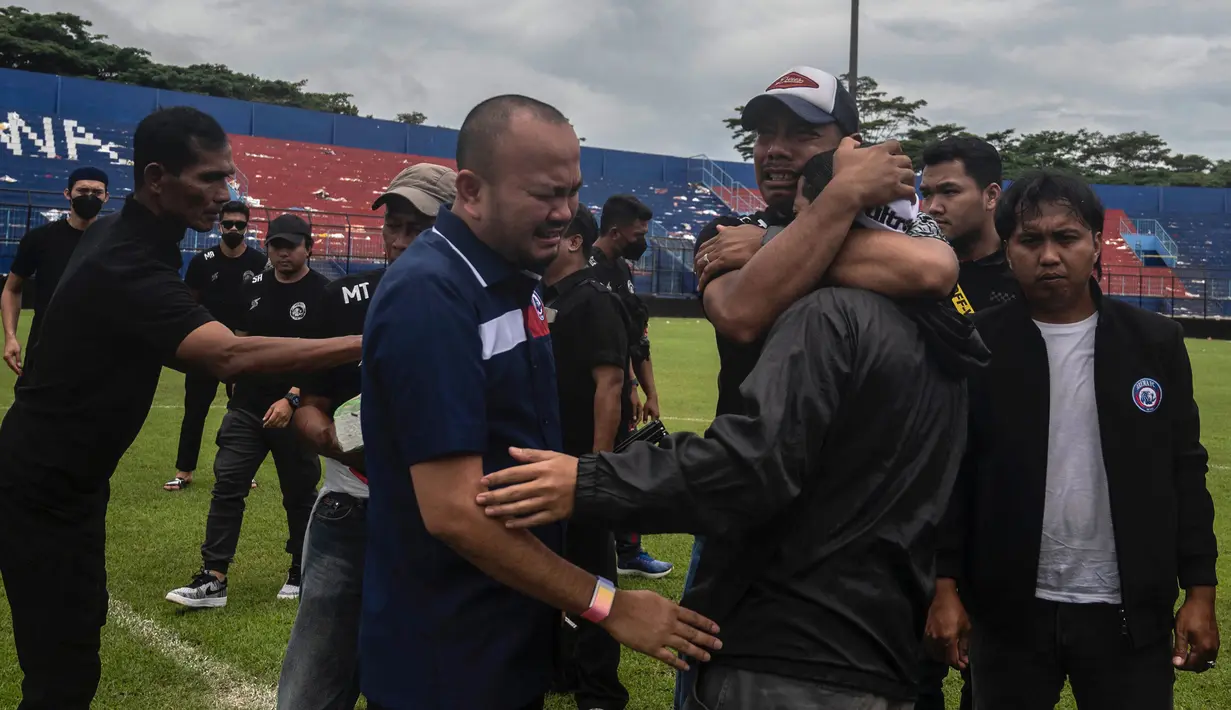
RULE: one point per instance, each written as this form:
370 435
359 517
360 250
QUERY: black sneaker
290 590
205 591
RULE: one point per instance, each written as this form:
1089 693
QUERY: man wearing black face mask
217 277
623 228
45 251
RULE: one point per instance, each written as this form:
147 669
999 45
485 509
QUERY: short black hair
487 123
174 137
1024 198
236 206
623 210
980 158
583 223
817 173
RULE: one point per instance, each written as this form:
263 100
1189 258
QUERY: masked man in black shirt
282 303
590 336
121 301
321 668
217 277
623 227
44 253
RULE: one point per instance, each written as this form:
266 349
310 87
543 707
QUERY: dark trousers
243 444
200 388
589 657
536 705
56 583
727 688
627 545
931 686
1085 643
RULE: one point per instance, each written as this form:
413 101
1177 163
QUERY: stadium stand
1168 249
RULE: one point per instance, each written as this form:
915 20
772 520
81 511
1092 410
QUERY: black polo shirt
344 306
44 252
736 360
589 329
119 315
617 276
983 283
278 310
220 280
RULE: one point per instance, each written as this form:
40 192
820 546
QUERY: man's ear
573 243
152 176
991 195
469 188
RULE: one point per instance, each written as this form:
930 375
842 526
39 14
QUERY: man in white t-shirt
1081 507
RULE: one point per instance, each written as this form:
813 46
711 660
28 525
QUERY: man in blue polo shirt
459 610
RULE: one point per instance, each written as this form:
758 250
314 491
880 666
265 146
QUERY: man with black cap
44 252
217 277
280 304
321 668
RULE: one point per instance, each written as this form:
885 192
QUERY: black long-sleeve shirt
820 502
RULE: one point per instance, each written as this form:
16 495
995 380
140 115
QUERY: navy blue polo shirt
456 360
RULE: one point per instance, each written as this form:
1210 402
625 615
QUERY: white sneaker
290 590
205 591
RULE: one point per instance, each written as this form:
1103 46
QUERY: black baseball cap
289 228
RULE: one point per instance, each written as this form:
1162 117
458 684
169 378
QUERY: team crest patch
1147 394
298 311
538 305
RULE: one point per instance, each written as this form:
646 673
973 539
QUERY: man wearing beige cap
320 671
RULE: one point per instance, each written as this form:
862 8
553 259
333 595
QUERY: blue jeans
321 668
685 679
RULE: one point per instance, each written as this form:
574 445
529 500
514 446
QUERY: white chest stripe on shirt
502 334
463 257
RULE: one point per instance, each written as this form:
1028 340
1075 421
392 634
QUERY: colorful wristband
600 603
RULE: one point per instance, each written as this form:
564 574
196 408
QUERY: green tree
62 43
415 118
744 138
883 117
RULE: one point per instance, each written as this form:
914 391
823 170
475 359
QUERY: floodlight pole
853 80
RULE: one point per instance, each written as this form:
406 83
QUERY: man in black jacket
1082 496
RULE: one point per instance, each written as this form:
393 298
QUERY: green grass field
156 658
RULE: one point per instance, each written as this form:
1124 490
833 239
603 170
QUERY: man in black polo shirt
960 187
623 227
121 300
282 302
590 336
320 671
217 277
44 253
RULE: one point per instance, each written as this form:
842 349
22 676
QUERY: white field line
232 688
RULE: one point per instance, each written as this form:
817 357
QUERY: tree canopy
62 43
1132 158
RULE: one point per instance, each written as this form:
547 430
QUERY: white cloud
660 76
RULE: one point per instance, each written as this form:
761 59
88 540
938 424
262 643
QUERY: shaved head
488 123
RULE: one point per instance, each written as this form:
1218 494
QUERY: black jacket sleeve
950 545
746 468
1198 548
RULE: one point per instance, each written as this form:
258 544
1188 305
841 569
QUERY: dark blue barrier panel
356 132
591 165
104 102
235 116
25 92
675 170
1130 198
743 172
432 141
292 124
1200 200
626 166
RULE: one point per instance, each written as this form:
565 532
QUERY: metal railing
1197 293
732 192
1130 227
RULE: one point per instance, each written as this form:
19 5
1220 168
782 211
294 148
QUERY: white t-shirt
1077 558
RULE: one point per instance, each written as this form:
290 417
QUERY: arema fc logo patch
538 305
1147 394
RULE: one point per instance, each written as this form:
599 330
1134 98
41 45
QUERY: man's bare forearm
895 264
10 310
260 355
645 375
744 304
608 401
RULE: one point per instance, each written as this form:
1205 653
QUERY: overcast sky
659 75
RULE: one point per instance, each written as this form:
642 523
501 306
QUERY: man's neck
292 278
986 244
78 223
553 277
1076 312
606 246
232 252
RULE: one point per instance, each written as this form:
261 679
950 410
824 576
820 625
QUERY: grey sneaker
205 591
